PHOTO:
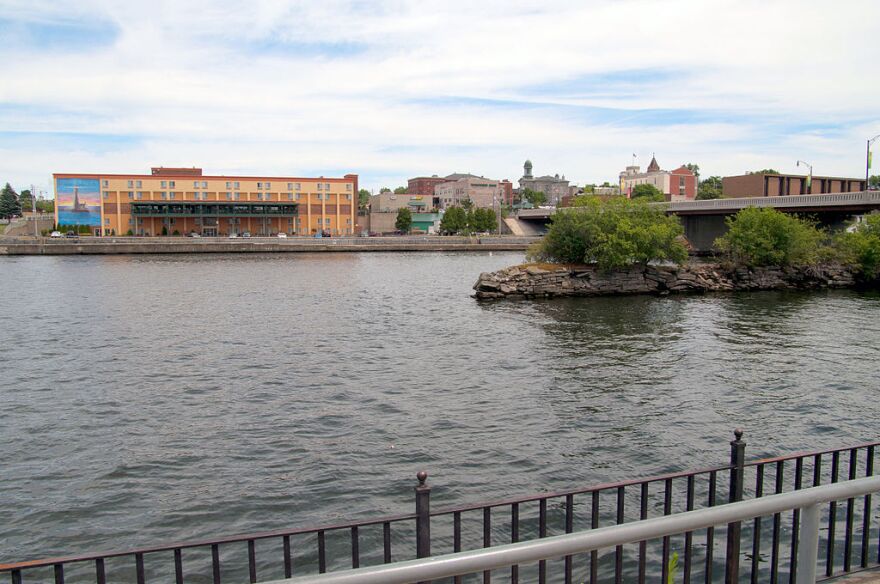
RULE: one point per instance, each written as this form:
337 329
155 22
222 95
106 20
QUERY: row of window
230 196
170 184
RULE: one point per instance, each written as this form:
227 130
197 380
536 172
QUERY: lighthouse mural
78 201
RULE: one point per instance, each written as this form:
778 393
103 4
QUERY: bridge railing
764 550
791 201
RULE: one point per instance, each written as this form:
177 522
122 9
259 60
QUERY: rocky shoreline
550 281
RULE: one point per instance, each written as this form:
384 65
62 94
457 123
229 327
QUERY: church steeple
527 169
653 167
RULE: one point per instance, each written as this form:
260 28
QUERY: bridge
704 220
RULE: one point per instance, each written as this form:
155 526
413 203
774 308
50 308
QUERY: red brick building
424 185
780 185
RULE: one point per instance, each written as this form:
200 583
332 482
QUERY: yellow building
183 200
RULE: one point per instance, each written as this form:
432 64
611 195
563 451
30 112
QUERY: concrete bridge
704 220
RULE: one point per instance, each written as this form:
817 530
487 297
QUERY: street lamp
868 159
810 177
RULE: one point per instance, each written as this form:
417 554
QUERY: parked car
233 236
55 234
246 234
71 235
194 234
282 235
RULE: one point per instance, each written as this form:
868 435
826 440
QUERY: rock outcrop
549 280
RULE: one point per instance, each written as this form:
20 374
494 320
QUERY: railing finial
738 433
422 476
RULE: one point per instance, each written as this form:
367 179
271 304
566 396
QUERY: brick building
780 185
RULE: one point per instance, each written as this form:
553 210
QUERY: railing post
808 545
737 463
423 516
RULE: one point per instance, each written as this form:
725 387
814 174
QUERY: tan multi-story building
183 200
479 190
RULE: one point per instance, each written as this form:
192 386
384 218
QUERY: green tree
874 180
694 168
710 189
454 221
384 190
363 198
400 191
9 204
26 200
536 198
404 220
764 171
647 192
612 234
862 246
767 237
485 220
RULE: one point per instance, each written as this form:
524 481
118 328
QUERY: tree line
12 203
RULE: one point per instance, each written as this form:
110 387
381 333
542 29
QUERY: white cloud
401 88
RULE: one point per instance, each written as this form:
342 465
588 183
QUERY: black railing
166 209
768 554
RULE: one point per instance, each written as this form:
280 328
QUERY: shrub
767 237
129 233
861 247
612 234
648 193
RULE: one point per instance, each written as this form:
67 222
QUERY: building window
320 186
164 184
348 186
348 197
171 196
235 184
237 196
327 221
289 196
297 186
107 221
140 195
164 195
326 186
289 186
228 196
104 183
268 185
138 184
130 195
171 184
106 195
204 184
297 196
130 183
228 184
195 184
259 185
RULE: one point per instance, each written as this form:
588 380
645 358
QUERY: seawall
170 245
548 280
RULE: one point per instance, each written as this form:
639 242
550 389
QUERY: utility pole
868 160
34 208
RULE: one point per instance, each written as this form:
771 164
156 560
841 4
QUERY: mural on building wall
78 201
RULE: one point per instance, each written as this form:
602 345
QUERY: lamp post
810 177
868 159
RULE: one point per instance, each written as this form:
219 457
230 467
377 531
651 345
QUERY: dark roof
653 167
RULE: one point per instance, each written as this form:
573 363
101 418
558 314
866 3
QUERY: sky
395 89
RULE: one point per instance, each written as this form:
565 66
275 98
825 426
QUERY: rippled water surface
147 399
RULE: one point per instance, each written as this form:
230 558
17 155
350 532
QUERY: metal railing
459 564
769 546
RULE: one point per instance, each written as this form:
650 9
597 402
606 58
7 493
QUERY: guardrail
806 502
772 555
791 201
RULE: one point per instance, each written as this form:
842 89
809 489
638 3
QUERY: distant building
553 187
390 202
677 185
780 185
424 185
479 190
185 200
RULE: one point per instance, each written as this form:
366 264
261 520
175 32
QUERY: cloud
399 88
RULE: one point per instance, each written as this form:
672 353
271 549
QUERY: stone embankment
549 280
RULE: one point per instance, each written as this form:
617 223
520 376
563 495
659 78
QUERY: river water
153 398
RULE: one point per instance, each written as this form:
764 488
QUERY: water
155 398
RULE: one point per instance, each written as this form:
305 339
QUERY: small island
622 246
